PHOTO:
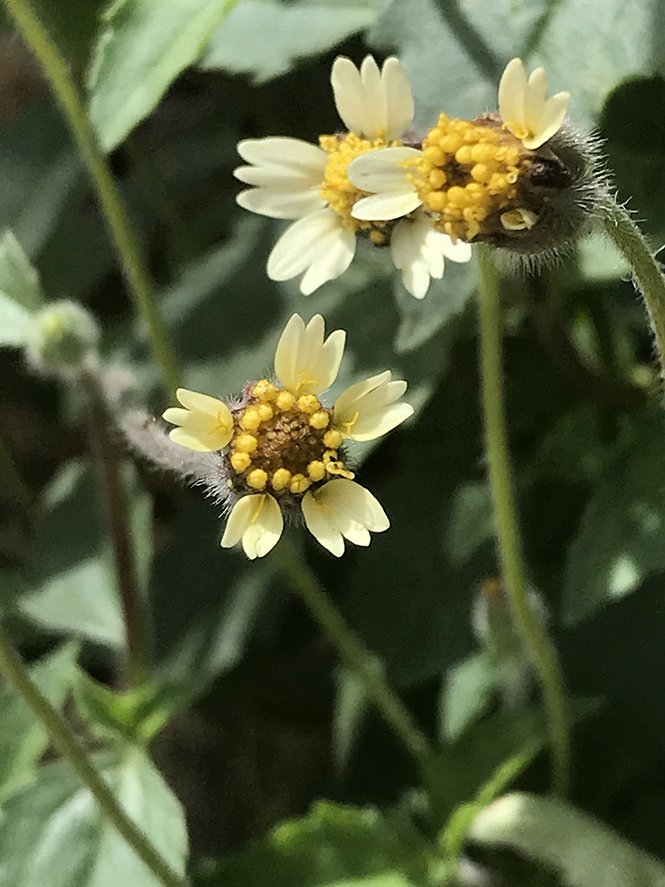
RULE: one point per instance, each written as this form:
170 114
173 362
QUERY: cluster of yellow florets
338 190
283 442
467 174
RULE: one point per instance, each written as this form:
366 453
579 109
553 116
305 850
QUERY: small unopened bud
63 339
493 624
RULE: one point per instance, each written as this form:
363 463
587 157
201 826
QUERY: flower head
292 179
522 179
280 449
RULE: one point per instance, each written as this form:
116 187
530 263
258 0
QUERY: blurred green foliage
243 689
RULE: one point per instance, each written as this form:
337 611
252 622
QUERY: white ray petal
535 98
279 179
297 246
333 256
320 522
281 204
399 99
257 521
457 252
374 100
379 170
205 425
552 116
284 153
387 206
348 93
512 93
304 362
342 508
367 410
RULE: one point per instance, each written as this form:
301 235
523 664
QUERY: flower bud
64 336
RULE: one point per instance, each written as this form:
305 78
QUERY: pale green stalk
646 270
62 82
66 743
532 633
354 656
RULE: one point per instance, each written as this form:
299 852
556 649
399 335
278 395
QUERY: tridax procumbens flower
293 179
281 450
520 178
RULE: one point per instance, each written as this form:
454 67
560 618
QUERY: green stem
106 455
58 73
646 270
531 631
62 738
354 656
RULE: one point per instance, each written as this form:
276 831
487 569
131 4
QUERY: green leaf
471 521
15 322
454 52
141 50
637 163
266 38
54 832
39 169
137 715
445 300
331 844
18 279
23 740
620 539
474 761
467 691
72 581
582 850
20 292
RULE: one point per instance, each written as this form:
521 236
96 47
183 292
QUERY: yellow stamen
299 483
316 470
257 479
333 439
309 403
284 400
250 419
467 174
336 188
265 412
241 461
320 419
281 479
245 443
264 390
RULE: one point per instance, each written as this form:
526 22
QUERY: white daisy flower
466 176
525 111
293 179
281 450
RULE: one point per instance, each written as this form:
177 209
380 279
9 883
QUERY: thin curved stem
647 273
354 656
531 631
105 452
62 82
62 738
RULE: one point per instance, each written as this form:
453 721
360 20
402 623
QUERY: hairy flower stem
105 452
647 273
531 631
354 656
62 82
13 669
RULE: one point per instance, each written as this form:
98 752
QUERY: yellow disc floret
338 191
283 443
468 175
